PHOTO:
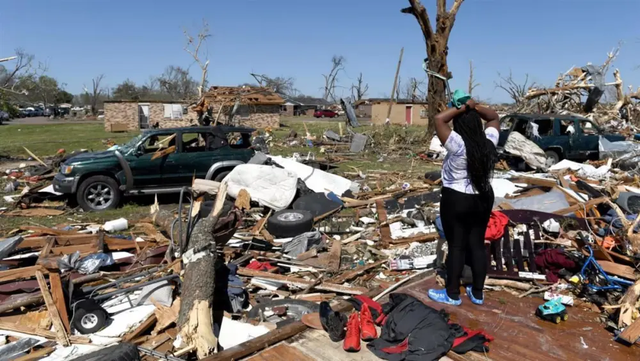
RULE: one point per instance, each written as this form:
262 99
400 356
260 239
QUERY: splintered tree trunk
436 43
195 320
436 95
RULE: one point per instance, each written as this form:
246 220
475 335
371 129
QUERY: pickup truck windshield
132 143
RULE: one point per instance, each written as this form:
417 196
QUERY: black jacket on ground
413 331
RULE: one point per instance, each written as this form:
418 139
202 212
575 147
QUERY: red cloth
552 261
471 340
260 266
495 228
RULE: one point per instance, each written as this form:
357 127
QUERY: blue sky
136 39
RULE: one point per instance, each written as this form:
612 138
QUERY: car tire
99 187
552 158
89 317
120 352
290 223
221 176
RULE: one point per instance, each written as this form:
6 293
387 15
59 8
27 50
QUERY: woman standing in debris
467 196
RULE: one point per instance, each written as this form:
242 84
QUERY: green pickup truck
156 161
559 136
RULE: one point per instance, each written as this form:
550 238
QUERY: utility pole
395 84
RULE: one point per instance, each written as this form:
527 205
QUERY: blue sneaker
473 299
442 297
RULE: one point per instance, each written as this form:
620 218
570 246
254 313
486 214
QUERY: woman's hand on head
471 103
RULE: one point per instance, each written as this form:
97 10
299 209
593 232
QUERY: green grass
393 150
45 140
131 211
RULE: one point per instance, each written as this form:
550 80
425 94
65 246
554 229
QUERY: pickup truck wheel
552 158
98 193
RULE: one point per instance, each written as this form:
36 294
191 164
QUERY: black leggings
464 221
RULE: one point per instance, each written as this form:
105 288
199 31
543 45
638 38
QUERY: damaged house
252 107
240 106
403 111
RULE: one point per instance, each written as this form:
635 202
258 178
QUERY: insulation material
317 180
517 144
269 186
233 333
583 170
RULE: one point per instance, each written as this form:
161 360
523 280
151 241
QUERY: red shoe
352 340
367 327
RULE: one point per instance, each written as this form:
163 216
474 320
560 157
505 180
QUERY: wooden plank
58 299
37 355
150 321
299 282
61 334
618 270
385 231
581 206
349 275
281 352
335 256
631 334
507 251
18 273
163 152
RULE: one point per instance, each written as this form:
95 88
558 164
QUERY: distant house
242 106
305 106
403 111
124 115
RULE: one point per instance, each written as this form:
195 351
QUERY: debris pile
279 246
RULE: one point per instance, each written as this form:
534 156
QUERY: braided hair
481 153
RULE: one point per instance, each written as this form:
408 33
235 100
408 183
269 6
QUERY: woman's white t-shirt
454 168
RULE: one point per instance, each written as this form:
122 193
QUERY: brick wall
121 113
252 116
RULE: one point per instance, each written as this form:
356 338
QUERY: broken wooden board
58 298
335 256
58 326
19 273
37 354
145 325
618 270
34 212
165 315
163 152
302 283
243 200
631 334
349 275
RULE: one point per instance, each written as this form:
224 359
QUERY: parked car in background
4 117
37 112
325 113
99 180
559 136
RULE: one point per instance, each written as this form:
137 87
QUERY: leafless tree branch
514 89
95 93
472 81
337 65
193 48
359 89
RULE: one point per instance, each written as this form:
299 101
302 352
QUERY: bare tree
436 43
10 79
177 83
95 93
472 80
193 48
279 84
337 65
359 89
414 90
514 89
